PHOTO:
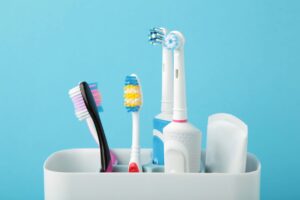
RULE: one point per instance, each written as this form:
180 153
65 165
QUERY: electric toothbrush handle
167 81
179 109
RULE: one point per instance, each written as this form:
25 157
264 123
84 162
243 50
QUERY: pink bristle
78 104
97 97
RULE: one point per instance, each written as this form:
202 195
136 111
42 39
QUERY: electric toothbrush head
157 35
174 40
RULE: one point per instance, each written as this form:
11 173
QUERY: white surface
226 147
73 175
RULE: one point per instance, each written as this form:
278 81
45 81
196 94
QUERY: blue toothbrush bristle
133 109
93 86
156 36
131 80
100 109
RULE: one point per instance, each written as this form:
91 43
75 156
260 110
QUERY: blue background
242 57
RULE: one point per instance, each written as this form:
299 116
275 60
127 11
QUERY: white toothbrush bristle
80 109
171 41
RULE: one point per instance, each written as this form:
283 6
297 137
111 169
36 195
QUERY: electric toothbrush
157 37
182 140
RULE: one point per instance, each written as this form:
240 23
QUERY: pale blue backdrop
242 57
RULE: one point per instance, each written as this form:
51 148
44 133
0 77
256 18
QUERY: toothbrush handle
179 109
167 81
134 164
104 149
92 129
135 130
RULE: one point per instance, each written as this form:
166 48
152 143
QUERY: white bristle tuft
80 109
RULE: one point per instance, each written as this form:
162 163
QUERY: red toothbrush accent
133 168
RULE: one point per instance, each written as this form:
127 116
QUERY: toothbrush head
157 35
81 110
132 93
174 40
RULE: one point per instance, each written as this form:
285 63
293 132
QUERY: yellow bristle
132 96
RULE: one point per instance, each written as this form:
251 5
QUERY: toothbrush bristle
81 111
97 96
171 41
156 36
79 106
132 94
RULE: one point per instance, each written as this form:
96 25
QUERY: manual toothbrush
133 101
87 102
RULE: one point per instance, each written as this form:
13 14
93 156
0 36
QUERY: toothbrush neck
135 130
179 107
167 82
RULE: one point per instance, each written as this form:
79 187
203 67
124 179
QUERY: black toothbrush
91 106
86 109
